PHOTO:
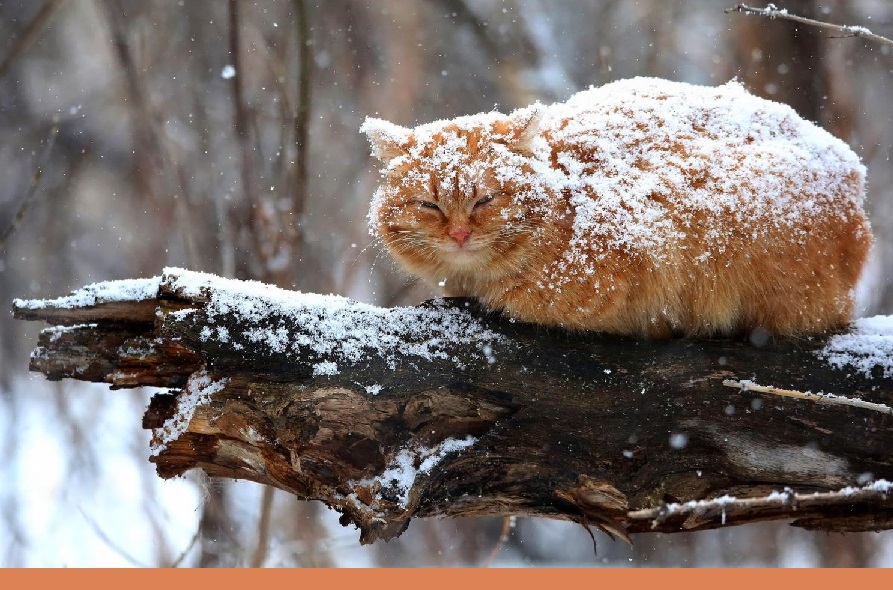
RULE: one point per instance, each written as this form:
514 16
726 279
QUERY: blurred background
222 137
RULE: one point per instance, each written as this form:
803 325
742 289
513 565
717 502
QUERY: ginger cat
643 207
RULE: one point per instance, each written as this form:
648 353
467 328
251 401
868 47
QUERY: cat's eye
484 200
429 205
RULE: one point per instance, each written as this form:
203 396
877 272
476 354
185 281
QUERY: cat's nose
460 234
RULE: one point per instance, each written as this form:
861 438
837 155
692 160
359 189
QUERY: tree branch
727 509
28 199
445 410
29 35
822 398
302 112
842 30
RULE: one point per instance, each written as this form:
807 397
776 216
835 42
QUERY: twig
179 561
114 546
822 398
773 11
729 507
240 110
31 32
508 523
263 532
146 147
241 115
50 141
156 171
302 115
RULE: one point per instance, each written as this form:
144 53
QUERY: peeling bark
504 419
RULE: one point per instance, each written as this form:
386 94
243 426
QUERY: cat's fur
643 207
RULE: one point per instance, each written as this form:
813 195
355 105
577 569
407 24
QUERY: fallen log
445 410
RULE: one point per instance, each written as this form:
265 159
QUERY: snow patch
124 290
784 496
325 368
333 328
868 345
56 332
881 485
198 391
723 500
692 505
400 476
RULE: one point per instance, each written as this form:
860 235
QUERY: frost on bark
444 410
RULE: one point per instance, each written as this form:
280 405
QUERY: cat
643 207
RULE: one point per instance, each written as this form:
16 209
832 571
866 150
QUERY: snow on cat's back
642 207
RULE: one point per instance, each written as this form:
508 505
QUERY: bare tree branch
263 528
822 398
42 162
108 541
179 561
302 112
727 509
248 218
31 32
773 11
508 523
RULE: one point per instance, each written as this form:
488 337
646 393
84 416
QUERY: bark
478 415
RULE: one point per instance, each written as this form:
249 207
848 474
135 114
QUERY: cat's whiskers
412 244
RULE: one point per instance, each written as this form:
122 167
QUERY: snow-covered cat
642 207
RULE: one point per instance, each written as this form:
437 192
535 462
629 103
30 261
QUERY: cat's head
461 197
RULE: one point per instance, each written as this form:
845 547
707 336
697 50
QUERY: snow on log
445 410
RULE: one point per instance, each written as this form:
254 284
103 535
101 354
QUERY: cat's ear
387 140
526 126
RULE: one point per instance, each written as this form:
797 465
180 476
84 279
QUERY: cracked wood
609 432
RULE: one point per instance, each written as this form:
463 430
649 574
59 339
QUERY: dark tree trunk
443 410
